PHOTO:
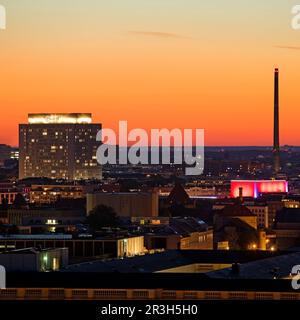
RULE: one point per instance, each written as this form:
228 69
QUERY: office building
59 146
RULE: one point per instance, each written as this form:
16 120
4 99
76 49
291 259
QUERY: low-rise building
287 228
47 219
260 210
181 233
46 194
34 260
235 227
109 246
126 204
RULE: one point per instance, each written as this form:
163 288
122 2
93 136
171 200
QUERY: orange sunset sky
156 63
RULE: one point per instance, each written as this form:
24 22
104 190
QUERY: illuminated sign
60 118
252 188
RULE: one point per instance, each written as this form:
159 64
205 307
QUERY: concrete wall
143 204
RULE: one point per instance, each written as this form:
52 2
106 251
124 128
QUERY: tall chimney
241 194
276 146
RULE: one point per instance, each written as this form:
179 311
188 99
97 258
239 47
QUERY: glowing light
272 248
51 222
252 188
60 118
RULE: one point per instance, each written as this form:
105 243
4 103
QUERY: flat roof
169 259
36 237
115 280
59 118
261 269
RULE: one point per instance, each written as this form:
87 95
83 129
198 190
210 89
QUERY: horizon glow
156 64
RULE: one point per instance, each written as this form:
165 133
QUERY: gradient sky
156 63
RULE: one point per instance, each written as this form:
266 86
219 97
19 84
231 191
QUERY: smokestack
276 146
241 194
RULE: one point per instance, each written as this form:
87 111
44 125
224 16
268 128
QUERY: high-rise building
59 146
276 145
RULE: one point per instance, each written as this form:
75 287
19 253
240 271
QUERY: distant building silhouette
178 195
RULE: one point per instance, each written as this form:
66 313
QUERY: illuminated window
51 222
155 221
55 264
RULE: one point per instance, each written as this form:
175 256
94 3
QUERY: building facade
59 146
108 247
126 204
261 211
42 194
34 260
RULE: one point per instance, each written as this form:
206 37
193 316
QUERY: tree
102 216
4 204
19 201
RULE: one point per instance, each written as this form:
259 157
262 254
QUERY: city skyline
149 157
178 66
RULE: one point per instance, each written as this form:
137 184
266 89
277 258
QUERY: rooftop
236 210
279 266
36 237
59 118
166 260
27 251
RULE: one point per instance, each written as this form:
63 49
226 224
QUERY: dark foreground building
112 281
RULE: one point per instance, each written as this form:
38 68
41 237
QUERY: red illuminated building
252 188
